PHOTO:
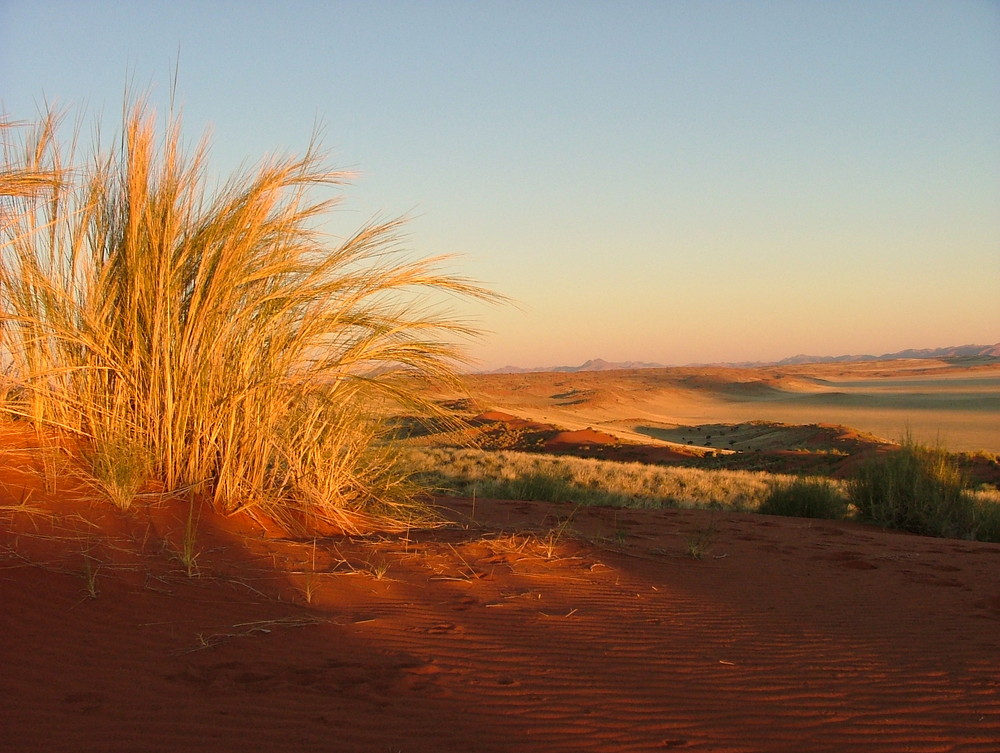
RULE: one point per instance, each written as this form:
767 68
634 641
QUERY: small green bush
806 498
916 488
987 520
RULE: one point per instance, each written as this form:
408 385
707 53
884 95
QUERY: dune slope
523 627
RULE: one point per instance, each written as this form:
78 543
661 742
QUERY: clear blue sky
687 181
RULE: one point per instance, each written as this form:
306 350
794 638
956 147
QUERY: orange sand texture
525 626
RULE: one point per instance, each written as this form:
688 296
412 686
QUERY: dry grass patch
586 481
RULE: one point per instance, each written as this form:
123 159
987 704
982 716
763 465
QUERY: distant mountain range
957 351
599 364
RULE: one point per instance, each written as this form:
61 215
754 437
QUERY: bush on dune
806 498
213 339
918 489
986 516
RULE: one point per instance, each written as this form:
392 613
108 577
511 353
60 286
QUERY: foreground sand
524 627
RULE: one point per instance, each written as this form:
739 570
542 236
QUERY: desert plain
523 625
954 402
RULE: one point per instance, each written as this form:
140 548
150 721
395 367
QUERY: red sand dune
494 416
582 437
527 627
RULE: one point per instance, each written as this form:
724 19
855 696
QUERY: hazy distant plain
955 404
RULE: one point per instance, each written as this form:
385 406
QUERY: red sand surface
582 437
525 627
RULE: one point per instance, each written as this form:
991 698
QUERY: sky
685 181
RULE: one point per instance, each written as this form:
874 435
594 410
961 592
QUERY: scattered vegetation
214 340
806 498
585 481
915 489
990 458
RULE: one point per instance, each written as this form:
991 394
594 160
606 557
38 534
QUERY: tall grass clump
215 335
806 498
915 488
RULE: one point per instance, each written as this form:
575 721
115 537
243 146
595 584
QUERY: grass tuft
188 554
118 470
220 341
699 543
90 569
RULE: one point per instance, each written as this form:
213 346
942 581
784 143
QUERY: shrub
916 488
214 334
986 515
806 498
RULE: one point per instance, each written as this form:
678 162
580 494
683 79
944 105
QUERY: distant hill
599 364
957 351
594 364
